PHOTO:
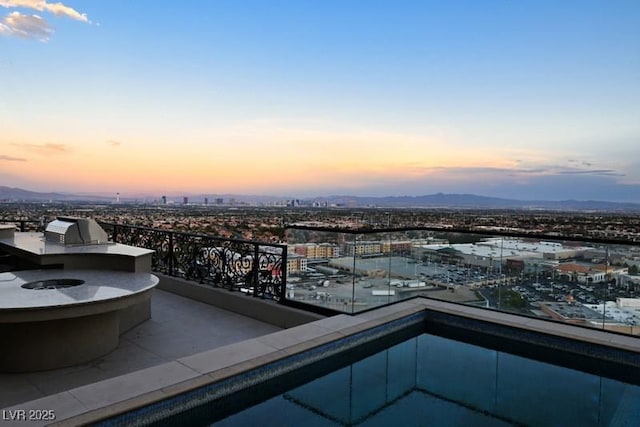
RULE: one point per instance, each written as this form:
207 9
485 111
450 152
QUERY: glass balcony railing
593 283
583 281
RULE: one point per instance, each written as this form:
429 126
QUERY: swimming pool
432 380
457 370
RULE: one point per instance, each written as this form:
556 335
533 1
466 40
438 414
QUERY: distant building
164 200
206 201
316 250
570 312
628 281
296 263
219 201
363 248
185 201
396 246
585 272
621 315
518 255
380 247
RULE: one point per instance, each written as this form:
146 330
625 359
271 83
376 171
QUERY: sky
516 99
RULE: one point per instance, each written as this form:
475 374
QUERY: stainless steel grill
75 231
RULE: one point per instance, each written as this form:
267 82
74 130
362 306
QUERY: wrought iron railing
255 268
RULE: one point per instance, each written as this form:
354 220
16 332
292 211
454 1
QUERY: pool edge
273 348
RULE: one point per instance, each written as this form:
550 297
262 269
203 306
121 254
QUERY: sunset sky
518 99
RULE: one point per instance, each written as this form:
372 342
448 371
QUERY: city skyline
528 100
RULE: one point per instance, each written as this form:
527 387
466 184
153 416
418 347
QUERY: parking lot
368 282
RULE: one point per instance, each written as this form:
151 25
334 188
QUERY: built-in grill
75 231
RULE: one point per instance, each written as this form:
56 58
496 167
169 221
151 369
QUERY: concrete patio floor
179 327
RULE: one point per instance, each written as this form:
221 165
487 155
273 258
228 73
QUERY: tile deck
179 327
188 344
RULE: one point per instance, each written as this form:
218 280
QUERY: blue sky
299 98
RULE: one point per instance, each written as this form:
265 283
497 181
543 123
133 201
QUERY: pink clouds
25 26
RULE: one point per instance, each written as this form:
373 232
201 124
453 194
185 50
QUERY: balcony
240 294
180 326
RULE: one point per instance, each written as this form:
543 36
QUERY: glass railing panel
390 271
373 264
435 268
615 296
583 282
320 273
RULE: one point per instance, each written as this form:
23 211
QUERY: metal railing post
283 280
257 286
170 254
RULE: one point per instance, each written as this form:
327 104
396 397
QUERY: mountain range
439 200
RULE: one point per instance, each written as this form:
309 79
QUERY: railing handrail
372 230
191 234
496 233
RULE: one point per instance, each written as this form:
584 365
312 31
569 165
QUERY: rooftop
181 346
179 327
170 375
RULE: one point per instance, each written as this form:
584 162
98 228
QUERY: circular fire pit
52 284
55 318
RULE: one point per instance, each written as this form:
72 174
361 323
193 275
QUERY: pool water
430 380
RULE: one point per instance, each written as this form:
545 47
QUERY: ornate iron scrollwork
255 268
